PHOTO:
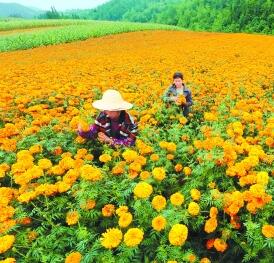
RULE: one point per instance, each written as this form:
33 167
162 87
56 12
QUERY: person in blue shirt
178 87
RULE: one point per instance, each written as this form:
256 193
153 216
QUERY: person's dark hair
178 75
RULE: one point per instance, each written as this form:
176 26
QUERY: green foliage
217 15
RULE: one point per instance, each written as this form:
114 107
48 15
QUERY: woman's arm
167 96
90 134
123 142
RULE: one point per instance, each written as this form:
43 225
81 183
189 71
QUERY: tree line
205 15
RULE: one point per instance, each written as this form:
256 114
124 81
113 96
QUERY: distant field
72 30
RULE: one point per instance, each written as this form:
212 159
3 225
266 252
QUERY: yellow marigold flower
81 153
118 168
84 125
193 209
62 186
104 158
268 231
195 194
187 171
181 100
24 154
143 190
129 155
211 225
2 173
6 243
133 237
159 223
177 199
111 238
88 172
141 160
35 149
262 178
122 209
213 212
72 218
170 156
205 260
57 170
208 116
26 197
74 257
171 147
158 202
6 213
191 258
134 166
7 225
183 120
144 175
178 235
8 260
108 210
220 245
269 142
163 144
172 261
154 157
89 157
125 219
45 164
71 176
67 162
159 173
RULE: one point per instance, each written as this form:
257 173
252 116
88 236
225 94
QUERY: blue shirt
172 91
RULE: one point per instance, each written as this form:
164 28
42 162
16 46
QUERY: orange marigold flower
74 257
158 202
210 243
158 223
268 231
220 245
211 225
108 210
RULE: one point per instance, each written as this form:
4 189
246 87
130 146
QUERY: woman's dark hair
178 75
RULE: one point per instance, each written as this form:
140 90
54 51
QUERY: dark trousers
185 111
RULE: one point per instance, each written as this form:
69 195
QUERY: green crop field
72 30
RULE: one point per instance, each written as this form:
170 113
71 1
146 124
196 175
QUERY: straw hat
112 101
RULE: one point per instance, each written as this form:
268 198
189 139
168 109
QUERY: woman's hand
104 138
79 128
176 100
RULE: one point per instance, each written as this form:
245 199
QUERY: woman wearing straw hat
113 125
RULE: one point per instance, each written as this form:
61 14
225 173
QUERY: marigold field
197 192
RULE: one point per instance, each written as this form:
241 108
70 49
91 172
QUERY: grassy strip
12 24
72 33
